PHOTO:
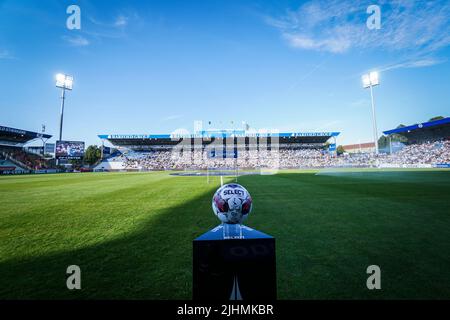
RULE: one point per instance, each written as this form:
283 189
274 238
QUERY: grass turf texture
131 233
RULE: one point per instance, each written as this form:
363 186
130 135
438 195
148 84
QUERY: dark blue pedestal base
234 269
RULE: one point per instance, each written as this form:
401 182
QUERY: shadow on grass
153 262
329 229
324 243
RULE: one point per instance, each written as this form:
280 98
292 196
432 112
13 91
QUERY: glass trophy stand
232 231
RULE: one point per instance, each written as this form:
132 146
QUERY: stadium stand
423 145
429 153
253 150
6 165
111 163
437 130
14 157
427 145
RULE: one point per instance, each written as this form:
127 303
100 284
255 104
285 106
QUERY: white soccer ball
232 203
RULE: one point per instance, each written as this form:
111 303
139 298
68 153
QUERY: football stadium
130 224
318 167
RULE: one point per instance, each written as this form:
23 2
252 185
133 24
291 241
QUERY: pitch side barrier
405 166
40 171
15 172
441 165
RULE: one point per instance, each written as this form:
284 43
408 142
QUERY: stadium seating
113 163
6 164
425 153
428 153
25 160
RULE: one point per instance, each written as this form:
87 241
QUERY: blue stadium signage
310 134
12 130
129 136
223 153
220 134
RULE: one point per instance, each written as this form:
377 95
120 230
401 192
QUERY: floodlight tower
369 81
41 135
64 82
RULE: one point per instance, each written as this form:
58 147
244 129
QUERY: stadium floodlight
65 82
374 79
369 81
366 81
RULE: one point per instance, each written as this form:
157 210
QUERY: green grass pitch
131 233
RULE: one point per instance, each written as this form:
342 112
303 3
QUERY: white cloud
5 54
415 63
115 28
77 41
121 21
339 26
332 45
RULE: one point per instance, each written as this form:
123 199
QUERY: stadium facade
211 148
420 145
239 138
423 145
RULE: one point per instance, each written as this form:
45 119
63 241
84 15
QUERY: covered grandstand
150 141
13 158
423 145
424 132
208 148
12 137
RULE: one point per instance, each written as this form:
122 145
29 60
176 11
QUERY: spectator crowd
428 153
424 154
24 159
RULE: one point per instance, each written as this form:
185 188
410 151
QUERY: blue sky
156 66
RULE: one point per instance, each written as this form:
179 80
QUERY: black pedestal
234 269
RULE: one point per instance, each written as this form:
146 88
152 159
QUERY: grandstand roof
18 137
422 132
168 139
420 126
